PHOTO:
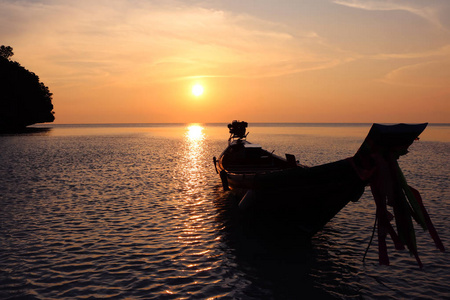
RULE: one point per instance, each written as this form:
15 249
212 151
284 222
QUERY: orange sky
135 61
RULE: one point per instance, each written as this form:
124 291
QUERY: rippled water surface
137 211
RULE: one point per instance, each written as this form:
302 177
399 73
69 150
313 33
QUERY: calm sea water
137 212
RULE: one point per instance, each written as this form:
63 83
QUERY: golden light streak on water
192 198
195 134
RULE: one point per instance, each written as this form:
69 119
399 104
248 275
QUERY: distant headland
24 100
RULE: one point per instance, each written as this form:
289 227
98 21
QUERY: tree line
24 99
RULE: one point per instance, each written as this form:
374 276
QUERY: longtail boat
312 196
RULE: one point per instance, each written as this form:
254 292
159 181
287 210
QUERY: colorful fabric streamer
376 163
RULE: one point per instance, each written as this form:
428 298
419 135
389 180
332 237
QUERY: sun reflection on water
191 179
193 156
189 172
195 133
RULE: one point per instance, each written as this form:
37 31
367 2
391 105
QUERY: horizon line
222 123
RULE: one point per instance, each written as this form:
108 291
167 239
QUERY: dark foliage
24 100
6 52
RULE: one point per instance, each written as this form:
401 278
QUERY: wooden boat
311 196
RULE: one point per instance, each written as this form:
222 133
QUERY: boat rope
371 239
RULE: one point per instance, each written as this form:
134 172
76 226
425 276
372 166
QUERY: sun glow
197 90
195 132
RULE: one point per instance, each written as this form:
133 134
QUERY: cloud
430 69
136 42
442 52
420 69
423 9
432 74
120 41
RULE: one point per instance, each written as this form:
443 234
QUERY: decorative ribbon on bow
389 188
376 162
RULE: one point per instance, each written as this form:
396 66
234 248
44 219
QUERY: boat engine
237 129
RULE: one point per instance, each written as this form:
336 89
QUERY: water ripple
143 216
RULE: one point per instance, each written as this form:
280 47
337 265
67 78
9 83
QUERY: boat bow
314 195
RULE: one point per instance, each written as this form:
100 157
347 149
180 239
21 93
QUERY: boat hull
309 197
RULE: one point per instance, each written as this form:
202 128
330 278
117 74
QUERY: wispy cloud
421 69
422 9
122 40
431 74
441 52
96 53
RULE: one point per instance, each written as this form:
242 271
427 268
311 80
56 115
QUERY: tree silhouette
6 52
24 100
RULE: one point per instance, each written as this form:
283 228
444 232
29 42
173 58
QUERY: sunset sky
136 61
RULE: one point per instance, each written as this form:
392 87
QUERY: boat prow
312 196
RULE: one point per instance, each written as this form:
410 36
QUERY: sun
197 90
